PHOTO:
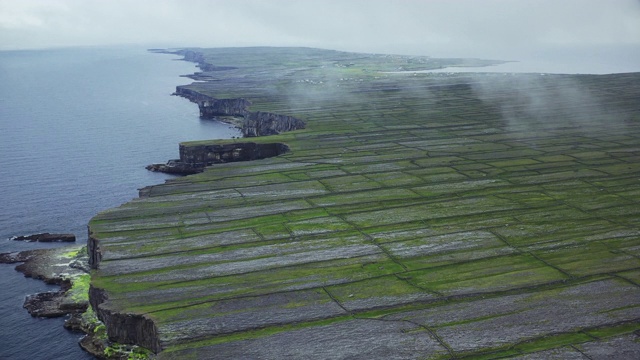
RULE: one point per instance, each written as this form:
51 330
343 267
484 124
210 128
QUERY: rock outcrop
263 123
175 167
57 266
211 108
51 304
46 237
122 327
259 123
204 155
194 158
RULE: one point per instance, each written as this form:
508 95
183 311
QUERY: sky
499 29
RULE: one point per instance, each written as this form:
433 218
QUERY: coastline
66 267
194 158
233 111
48 198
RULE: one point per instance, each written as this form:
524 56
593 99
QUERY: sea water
77 128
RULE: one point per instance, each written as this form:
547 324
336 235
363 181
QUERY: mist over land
586 35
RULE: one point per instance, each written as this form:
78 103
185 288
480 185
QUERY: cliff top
417 216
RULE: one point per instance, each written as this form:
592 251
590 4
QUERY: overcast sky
469 28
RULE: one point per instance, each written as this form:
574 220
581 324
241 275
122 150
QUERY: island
415 215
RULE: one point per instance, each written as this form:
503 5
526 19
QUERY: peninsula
413 216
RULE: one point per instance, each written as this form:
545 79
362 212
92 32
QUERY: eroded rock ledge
194 158
251 124
58 266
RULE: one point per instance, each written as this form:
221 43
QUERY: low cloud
468 28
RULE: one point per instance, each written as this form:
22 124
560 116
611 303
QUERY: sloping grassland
418 216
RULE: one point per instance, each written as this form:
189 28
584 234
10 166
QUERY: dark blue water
77 127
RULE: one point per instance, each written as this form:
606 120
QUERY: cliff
262 123
211 108
122 327
253 124
194 158
205 155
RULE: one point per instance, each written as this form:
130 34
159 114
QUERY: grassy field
418 216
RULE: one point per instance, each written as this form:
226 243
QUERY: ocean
77 128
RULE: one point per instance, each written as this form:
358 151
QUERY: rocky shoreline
59 266
68 268
233 111
64 266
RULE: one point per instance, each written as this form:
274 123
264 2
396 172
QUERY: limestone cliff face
194 158
211 107
257 123
263 123
192 95
190 55
93 249
223 107
123 327
205 155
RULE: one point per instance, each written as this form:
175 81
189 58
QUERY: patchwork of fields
417 216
